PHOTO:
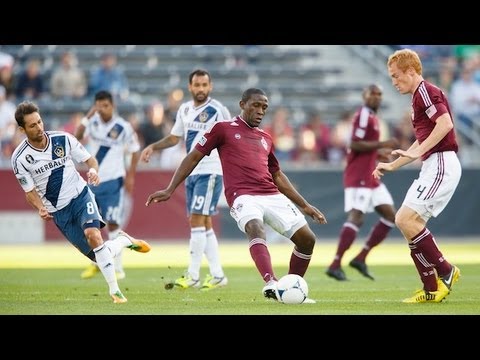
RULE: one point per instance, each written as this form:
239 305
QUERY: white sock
116 245
198 240
105 263
118 258
212 254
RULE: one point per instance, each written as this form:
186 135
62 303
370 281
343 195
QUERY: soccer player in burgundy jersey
256 189
364 193
430 193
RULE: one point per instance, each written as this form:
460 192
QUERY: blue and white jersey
108 142
191 123
51 171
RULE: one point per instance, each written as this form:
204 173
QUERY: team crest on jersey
59 151
238 136
203 116
264 143
30 159
113 133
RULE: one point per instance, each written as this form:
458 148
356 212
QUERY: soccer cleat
361 267
270 290
120 274
137 245
337 274
90 271
423 296
118 298
211 282
450 279
186 282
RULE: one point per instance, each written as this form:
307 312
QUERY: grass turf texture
44 280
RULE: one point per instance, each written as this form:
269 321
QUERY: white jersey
51 171
191 123
108 143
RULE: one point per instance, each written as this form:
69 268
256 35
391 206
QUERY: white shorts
430 193
367 199
275 210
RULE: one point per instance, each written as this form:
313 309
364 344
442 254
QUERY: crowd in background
316 141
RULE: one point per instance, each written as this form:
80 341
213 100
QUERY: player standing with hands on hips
43 165
256 189
430 193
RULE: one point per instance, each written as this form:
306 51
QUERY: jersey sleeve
210 140
131 139
178 128
23 176
437 108
78 151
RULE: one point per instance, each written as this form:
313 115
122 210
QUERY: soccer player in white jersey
112 139
256 189
44 166
204 185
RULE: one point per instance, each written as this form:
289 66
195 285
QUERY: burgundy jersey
360 165
247 157
429 103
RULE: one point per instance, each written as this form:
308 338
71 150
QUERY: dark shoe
337 274
362 268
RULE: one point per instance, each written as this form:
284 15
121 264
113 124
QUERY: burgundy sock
425 243
424 269
347 237
377 235
299 262
261 257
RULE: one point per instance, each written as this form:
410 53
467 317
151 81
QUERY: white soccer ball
292 289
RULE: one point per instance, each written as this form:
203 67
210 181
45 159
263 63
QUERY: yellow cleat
450 279
118 298
423 296
211 282
137 245
90 271
186 282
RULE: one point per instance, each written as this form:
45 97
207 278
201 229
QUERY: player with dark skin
363 194
242 183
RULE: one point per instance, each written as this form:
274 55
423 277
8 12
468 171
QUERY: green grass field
41 280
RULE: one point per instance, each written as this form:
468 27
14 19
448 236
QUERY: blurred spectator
7 80
174 100
110 77
154 128
341 135
30 83
313 140
283 135
6 60
68 80
465 97
8 124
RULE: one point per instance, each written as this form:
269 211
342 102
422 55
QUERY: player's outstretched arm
166 142
186 167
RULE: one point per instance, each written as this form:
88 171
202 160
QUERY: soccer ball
292 289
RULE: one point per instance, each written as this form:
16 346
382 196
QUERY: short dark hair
198 72
104 95
25 108
247 94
